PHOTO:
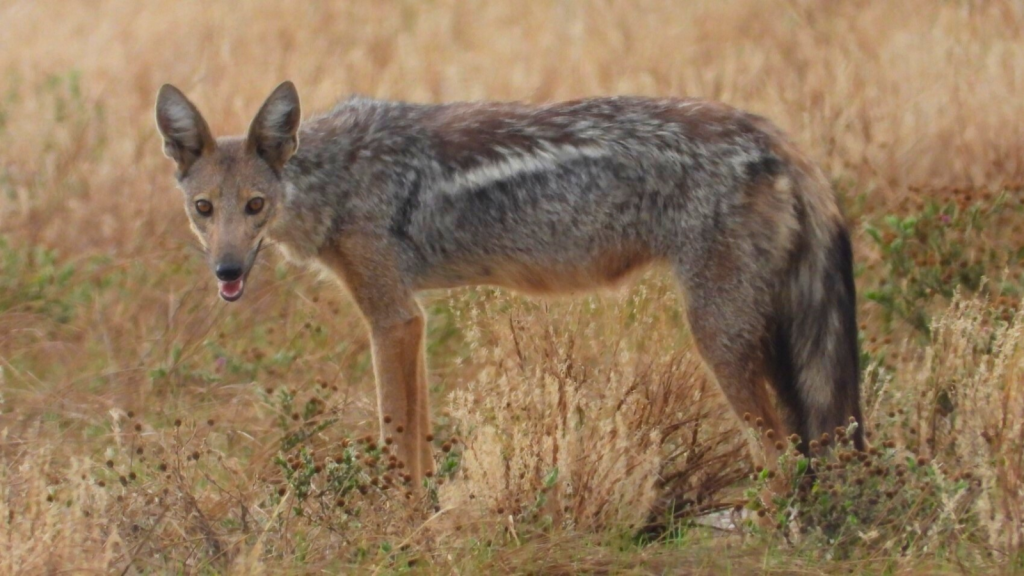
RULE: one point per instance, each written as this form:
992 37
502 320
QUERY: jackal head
233 186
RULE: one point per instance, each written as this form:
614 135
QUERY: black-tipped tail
813 344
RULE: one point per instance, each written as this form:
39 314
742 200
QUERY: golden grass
106 307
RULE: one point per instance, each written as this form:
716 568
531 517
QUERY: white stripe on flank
546 157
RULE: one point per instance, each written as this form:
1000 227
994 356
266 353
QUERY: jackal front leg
396 324
403 406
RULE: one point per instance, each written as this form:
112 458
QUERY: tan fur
397 328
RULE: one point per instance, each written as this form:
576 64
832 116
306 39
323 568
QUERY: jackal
394 198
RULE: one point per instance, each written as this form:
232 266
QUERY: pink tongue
231 289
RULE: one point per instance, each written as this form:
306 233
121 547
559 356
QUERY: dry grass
568 424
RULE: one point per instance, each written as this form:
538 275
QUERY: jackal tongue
230 290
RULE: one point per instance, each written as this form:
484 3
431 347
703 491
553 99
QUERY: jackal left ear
273 134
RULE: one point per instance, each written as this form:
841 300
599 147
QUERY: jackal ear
186 134
273 134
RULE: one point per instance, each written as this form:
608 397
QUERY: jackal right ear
186 134
273 134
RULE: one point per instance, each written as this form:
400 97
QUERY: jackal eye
254 205
204 207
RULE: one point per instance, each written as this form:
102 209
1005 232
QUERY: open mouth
232 290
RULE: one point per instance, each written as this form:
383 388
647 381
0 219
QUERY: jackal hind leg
728 331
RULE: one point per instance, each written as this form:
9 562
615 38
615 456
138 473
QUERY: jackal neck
307 213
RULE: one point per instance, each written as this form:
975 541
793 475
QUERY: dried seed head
177 422
779 445
769 433
759 422
399 428
387 419
430 437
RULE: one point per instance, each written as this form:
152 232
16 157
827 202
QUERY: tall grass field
148 427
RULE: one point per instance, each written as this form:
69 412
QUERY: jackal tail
814 356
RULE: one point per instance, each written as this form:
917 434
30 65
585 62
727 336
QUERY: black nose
228 272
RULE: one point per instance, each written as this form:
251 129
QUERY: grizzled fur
395 198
